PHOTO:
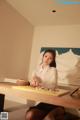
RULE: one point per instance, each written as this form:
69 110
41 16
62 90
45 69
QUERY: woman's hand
36 81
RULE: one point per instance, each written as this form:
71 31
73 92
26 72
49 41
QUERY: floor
16 111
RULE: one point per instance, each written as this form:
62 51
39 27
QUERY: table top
20 91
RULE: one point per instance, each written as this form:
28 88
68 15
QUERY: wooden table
64 100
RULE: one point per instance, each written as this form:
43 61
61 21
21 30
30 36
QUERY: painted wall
15 43
53 36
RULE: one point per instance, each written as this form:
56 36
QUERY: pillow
68 67
66 61
70 78
74 76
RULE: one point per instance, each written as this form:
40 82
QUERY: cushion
68 67
66 61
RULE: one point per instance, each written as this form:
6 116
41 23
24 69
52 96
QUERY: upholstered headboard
63 50
68 64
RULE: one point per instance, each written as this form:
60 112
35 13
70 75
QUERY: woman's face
48 58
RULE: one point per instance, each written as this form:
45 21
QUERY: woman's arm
36 81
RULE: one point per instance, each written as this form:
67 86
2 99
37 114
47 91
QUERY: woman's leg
34 114
55 114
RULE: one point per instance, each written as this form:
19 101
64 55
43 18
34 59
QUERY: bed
68 65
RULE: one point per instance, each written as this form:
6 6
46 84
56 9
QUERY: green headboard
62 49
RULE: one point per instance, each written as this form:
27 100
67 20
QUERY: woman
45 76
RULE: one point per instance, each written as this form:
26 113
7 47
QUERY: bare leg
55 114
34 114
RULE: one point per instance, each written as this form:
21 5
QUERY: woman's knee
34 114
55 114
29 115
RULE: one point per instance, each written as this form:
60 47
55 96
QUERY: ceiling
39 12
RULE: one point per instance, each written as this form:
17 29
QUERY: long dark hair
53 63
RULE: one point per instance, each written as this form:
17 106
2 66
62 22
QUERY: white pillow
68 67
70 78
74 76
66 61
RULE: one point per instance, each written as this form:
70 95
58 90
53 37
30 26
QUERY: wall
53 36
15 43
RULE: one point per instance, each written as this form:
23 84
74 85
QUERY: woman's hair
53 63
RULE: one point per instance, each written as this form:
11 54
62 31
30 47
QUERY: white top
47 74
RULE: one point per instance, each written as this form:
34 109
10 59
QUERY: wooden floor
17 111
12 106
